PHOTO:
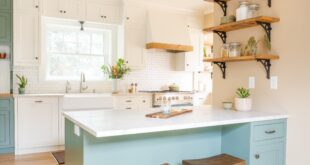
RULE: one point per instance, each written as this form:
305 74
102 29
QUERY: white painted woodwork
37 122
98 12
26 38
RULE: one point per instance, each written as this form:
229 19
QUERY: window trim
43 60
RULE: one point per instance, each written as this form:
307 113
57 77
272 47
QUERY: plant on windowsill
22 84
116 72
243 102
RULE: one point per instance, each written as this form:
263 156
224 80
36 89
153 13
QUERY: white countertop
107 123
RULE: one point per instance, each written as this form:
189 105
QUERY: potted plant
251 47
22 84
116 73
243 102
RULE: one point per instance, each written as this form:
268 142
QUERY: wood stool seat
222 159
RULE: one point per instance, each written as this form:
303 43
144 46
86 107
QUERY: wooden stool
222 159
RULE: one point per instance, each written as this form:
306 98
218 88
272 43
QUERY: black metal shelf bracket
223 5
267 65
223 35
222 66
269 3
267 27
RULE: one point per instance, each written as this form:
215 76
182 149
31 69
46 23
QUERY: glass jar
253 10
242 10
234 49
225 51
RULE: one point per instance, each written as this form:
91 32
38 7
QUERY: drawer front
4 104
269 131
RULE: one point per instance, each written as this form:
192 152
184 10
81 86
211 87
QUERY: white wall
290 40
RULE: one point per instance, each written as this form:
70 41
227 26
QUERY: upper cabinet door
6 5
197 40
71 9
134 48
5 27
98 12
27 5
26 38
135 17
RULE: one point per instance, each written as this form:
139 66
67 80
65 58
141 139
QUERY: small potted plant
116 72
22 84
243 102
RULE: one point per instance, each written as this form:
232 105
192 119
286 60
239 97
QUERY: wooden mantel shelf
247 23
243 58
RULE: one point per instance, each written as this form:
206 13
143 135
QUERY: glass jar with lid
225 51
234 49
242 10
253 10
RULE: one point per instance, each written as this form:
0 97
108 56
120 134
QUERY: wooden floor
33 159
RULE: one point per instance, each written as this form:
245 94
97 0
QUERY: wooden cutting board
162 115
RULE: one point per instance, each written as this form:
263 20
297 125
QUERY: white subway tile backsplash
159 72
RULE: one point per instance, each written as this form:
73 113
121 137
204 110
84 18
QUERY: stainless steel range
182 98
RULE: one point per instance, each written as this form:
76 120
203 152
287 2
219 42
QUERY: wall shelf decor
263 21
223 4
263 59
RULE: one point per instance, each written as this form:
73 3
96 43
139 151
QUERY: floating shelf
223 4
263 59
263 21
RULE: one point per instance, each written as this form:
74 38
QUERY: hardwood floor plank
33 159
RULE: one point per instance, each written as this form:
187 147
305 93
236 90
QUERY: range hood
168 31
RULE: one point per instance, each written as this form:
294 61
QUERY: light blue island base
174 146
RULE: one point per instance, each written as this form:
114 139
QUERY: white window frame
44 57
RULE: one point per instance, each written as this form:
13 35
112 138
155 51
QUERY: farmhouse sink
87 101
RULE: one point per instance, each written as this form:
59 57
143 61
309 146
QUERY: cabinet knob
103 16
128 18
187 64
36 58
65 11
61 11
257 156
143 101
127 62
37 6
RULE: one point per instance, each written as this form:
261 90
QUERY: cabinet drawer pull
128 108
144 101
270 131
128 101
38 101
257 156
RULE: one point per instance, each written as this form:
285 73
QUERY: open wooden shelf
243 58
264 59
247 23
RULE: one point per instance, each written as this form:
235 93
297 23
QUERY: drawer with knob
268 131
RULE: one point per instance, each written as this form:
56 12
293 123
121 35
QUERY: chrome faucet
68 87
83 86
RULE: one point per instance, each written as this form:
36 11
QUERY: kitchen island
115 137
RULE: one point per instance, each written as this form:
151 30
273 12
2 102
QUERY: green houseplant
243 102
116 72
22 84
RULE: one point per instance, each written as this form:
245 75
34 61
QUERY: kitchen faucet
68 87
83 86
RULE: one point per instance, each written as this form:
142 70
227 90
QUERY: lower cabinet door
269 154
4 129
5 27
37 122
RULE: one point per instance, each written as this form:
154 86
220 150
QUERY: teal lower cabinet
259 143
6 126
5 27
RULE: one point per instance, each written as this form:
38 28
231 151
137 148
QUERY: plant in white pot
22 84
243 102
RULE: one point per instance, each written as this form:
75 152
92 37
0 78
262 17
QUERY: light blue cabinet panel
4 129
6 125
6 5
268 154
5 27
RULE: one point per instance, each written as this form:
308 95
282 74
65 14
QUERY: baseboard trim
23 151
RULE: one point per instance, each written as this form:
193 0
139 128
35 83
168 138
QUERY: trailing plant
243 93
116 71
22 81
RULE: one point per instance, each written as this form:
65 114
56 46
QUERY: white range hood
168 31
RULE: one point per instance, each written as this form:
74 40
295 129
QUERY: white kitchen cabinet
29 6
98 12
192 61
26 38
36 122
69 9
133 102
135 17
135 48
